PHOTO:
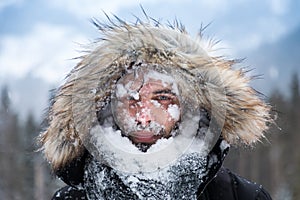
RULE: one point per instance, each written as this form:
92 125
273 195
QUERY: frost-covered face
147 106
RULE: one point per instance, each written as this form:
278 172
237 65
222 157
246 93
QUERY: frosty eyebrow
164 91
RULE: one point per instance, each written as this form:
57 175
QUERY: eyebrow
164 91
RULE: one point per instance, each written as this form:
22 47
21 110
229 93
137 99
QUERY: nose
143 115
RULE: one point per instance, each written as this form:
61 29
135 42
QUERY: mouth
144 137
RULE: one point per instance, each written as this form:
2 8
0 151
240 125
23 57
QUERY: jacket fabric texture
224 186
206 82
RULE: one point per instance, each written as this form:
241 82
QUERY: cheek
168 123
124 114
163 117
131 111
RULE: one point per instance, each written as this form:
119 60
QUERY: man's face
147 107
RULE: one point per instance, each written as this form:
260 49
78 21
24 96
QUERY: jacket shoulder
248 190
227 185
69 192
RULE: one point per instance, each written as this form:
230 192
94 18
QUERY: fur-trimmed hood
211 83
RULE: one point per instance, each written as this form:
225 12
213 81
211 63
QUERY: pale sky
40 37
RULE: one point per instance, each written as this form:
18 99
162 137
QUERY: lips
144 137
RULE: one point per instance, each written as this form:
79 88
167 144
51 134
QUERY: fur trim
212 83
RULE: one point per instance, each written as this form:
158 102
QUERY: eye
163 98
131 101
130 98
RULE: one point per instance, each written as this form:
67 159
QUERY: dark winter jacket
229 186
225 186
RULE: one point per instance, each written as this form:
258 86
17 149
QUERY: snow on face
174 111
125 90
164 78
148 106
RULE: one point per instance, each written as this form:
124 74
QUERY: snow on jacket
225 186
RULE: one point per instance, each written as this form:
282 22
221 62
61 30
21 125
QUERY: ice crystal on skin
135 95
125 90
174 111
121 91
166 80
156 103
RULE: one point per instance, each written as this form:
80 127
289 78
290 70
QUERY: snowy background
39 38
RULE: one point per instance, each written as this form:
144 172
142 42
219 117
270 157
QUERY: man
149 113
151 107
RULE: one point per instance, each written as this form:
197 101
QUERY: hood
206 81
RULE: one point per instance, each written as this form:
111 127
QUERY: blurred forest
275 162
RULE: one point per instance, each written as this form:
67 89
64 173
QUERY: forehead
148 78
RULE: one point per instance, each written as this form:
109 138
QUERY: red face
149 109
